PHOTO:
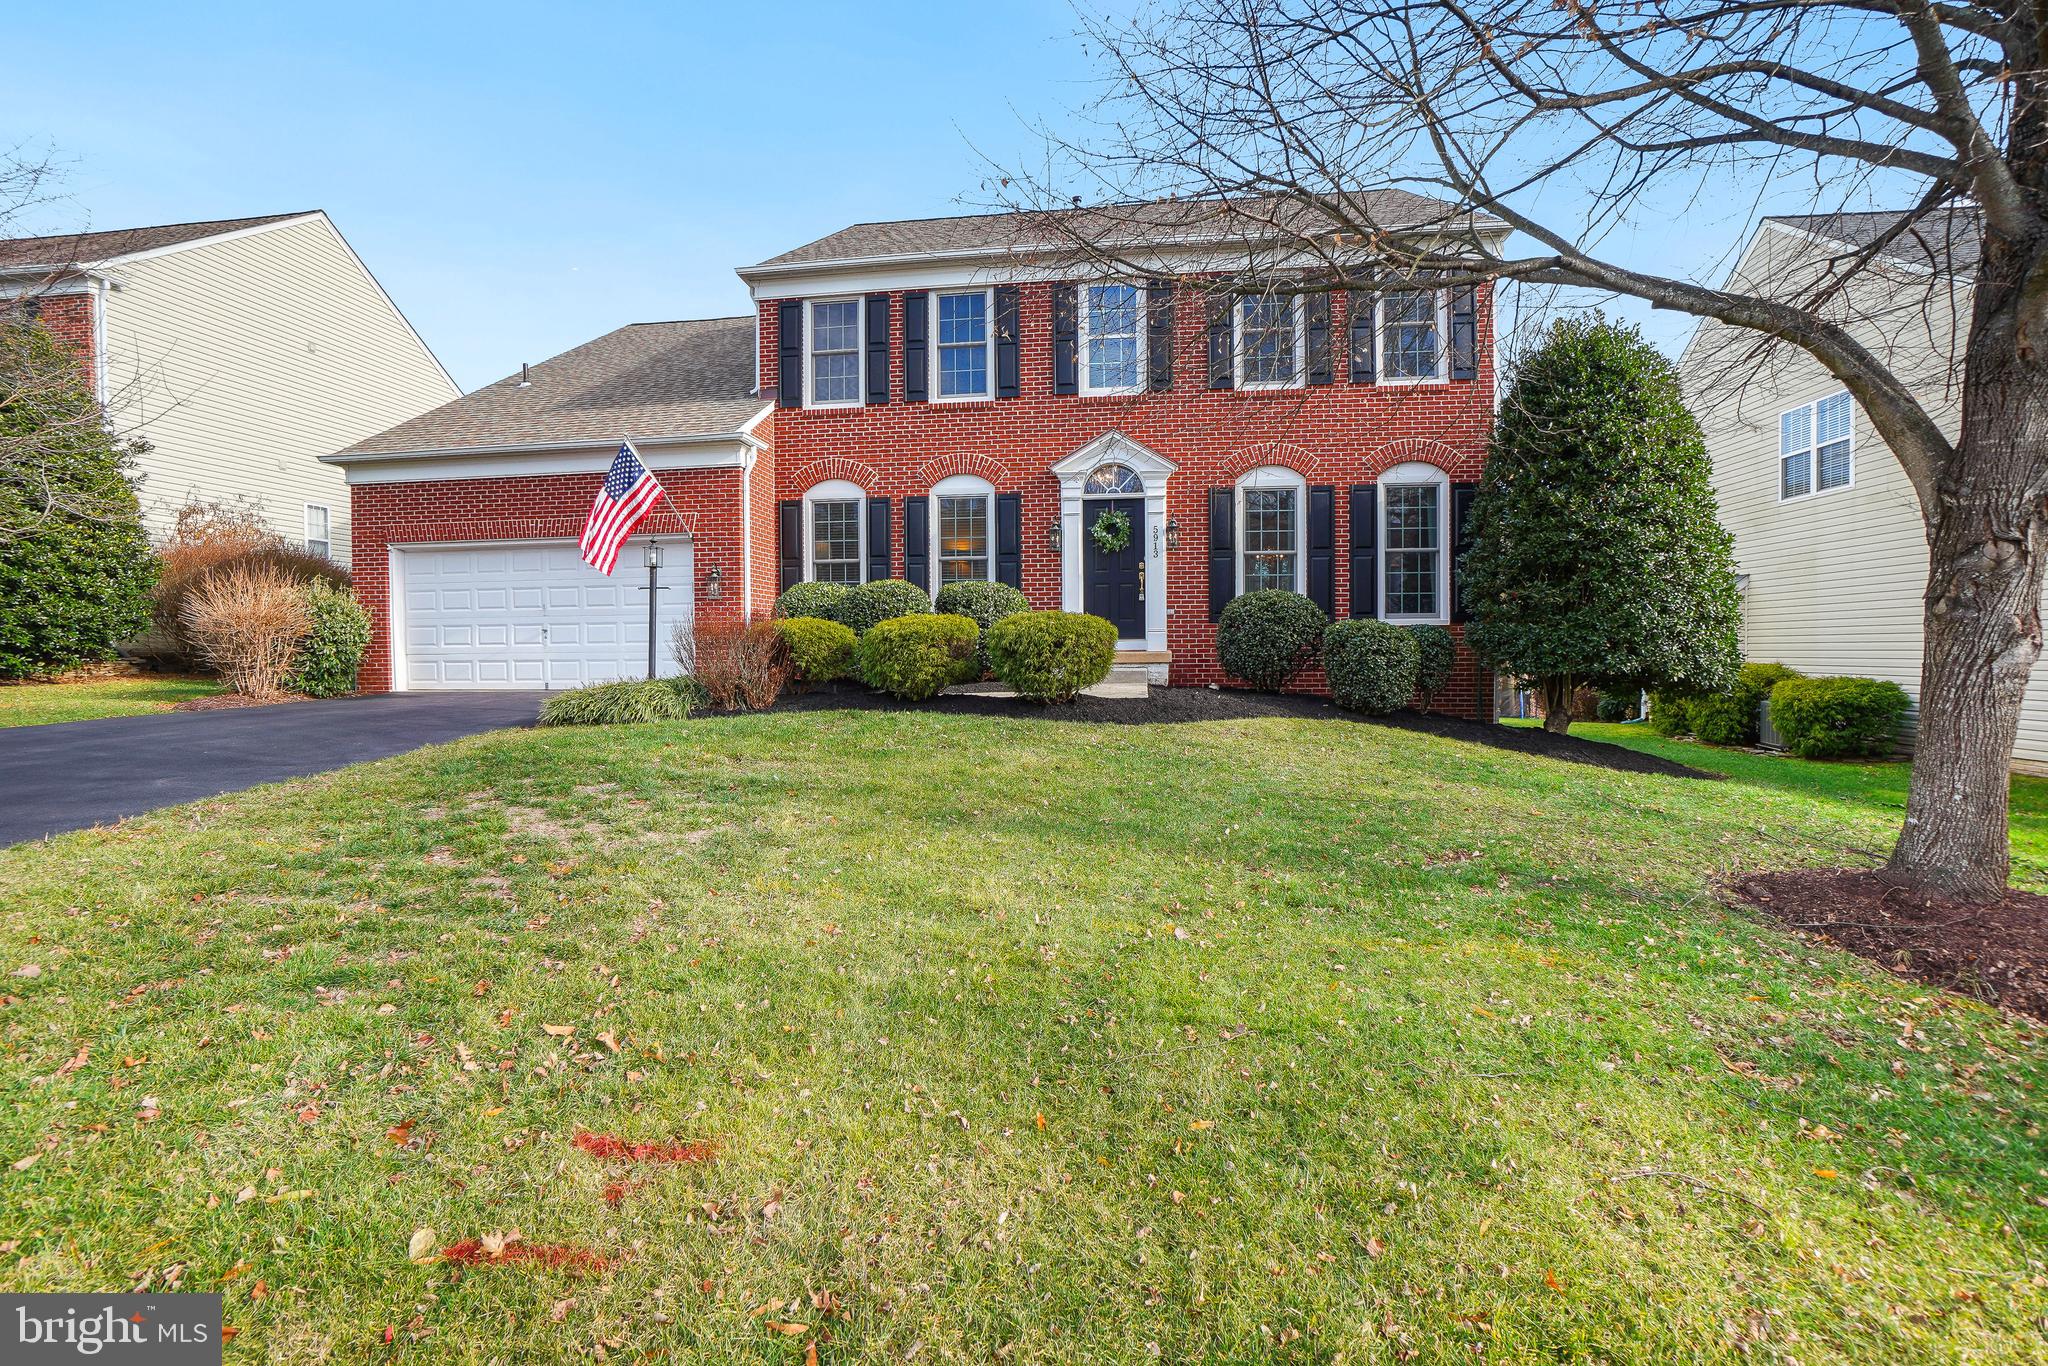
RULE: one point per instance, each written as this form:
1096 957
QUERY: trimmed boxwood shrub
1371 665
1729 718
820 600
616 704
1671 712
1265 638
987 603
912 657
331 653
880 600
1436 653
1826 718
1051 656
819 650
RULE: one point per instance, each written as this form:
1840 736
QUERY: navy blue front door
1113 585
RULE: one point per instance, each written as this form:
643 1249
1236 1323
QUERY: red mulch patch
471 1252
610 1148
225 701
1996 952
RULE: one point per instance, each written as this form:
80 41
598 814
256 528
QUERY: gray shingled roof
1945 240
84 248
1164 220
643 381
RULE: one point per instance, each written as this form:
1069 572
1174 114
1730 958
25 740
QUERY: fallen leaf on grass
1201 1124
559 1031
421 1245
22 1164
1826 1173
401 1131
76 1060
611 1148
1375 1248
788 1329
474 1252
1550 1279
609 1040
237 1269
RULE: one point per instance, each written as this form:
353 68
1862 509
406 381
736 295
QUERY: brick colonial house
938 400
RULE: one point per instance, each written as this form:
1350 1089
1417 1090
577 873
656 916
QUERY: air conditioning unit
1767 734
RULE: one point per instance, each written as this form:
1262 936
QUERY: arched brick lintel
1424 449
834 467
946 466
1303 462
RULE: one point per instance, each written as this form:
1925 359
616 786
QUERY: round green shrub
820 600
331 653
1671 712
1826 718
880 600
1730 718
912 657
1371 665
1618 706
1265 638
819 650
623 703
1051 656
987 603
1436 654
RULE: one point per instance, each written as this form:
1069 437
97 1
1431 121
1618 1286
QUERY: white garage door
531 614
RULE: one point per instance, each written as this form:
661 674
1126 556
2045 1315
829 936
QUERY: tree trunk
1557 704
1986 538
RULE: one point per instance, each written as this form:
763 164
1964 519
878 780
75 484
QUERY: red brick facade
68 318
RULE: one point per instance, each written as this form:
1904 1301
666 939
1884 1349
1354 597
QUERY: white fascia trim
747 428
727 451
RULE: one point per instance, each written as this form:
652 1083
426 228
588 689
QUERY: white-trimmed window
1269 342
835 532
1272 502
1412 327
319 530
1112 339
1414 533
962 354
1816 447
963 529
833 353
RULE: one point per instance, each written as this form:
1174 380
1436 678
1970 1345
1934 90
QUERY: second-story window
962 357
1814 448
1111 343
1268 342
835 351
1411 336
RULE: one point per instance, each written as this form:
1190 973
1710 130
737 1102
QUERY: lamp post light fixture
1173 533
653 556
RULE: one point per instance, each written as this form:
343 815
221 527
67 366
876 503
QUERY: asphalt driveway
78 774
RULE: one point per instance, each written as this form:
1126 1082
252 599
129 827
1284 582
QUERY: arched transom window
1112 479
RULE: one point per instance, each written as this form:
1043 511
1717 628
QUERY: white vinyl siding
243 361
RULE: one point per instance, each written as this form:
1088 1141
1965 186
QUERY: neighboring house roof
1945 240
644 381
1158 223
90 248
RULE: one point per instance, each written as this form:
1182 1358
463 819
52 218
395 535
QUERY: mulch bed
1996 952
228 701
1169 706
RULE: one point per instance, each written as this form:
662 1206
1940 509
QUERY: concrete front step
1125 680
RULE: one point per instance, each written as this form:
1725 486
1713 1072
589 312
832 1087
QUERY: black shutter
878 539
877 314
1066 340
917 565
789 354
790 524
1322 547
1222 550
1364 350
1465 332
1219 343
1318 330
916 314
1158 335
1365 545
1008 372
1462 496
1010 539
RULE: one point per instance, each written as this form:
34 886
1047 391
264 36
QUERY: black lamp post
653 587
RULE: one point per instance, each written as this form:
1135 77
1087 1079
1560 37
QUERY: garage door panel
534 616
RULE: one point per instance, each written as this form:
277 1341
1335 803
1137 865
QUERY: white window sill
829 407
1401 381
961 398
1271 386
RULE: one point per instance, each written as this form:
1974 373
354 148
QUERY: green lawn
1273 1039
36 704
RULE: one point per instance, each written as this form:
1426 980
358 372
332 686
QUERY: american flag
628 492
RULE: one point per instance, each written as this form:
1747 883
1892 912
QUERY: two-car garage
531 614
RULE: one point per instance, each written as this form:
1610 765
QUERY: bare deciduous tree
1567 120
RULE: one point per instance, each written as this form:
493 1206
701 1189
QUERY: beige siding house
242 351
1828 536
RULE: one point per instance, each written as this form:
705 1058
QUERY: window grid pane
1412 550
963 344
835 541
835 352
1268 326
963 538
1112 336
1411 345
1834 464
1270 548
1795 475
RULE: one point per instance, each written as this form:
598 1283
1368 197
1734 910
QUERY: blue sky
523 178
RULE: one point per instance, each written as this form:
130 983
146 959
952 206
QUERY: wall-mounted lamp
1173 533
1052 535
654 554
712 579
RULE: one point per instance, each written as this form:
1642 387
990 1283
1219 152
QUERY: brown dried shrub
246 621
739 664
209 537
